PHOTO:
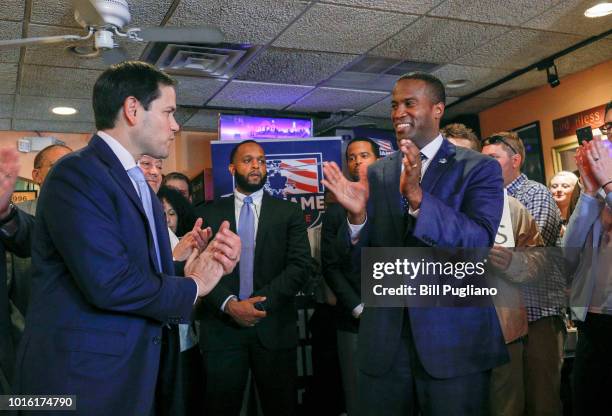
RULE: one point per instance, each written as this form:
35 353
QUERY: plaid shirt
545 297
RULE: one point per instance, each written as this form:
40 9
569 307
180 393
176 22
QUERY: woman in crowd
563 187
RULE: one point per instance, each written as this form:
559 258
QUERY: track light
552 76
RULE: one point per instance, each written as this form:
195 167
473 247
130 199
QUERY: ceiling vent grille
375 73
211 61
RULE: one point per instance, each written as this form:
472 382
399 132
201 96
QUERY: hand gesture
244 312
225 248
589 183
353 196
410 179
9 170
500 257
196 239
599 155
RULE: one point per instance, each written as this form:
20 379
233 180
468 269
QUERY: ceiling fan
105 19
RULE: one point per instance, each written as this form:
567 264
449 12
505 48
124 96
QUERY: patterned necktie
405 203
145 197
246 231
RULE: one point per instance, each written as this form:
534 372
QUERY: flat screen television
240 127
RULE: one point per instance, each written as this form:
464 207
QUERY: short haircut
40 157
177 176
513 140
235 149
373 144
566 174
127 79
608 108
461 131
186 217
437 93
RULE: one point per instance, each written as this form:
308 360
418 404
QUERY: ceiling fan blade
114 56
88 12
196 34
41 40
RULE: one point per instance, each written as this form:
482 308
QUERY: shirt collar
515 184
256 196
126 159
432 147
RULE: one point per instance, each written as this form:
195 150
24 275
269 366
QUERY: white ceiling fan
105 19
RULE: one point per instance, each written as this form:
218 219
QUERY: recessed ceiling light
599 10
457 83
64 111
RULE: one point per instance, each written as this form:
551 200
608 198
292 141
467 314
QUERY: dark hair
608 108
186 217
235 149
375 146
40 157
437 94
177 176
127 79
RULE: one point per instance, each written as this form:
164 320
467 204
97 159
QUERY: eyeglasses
605 128
498 139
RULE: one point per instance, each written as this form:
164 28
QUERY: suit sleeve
20 243
578 228
475 225
333 255
82 221
293 277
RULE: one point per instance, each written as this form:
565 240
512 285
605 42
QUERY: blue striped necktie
246 231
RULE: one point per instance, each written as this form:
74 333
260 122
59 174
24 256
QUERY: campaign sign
295 171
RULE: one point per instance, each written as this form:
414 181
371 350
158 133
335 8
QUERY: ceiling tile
291 66
6 105
336 99
471 106
53 126
341 29
437 40
8 31
195 90
518 85
8 78
61 12
380 109
39 108
203 120
502 12
585 57
183 114
568 17
57 55
401 6
50 81
356 121
244 94
476 77
518 48
12 9
253 21
5 123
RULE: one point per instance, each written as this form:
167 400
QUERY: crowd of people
117 290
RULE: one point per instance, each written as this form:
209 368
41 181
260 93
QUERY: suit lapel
442 161
265 215
391 175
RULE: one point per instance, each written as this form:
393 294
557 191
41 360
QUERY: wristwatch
7 226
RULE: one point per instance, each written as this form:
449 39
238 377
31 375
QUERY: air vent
212 61
375 73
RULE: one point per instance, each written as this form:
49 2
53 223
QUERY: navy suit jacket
98 303
461 207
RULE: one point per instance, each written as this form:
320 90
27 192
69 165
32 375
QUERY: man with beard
432 360
249 321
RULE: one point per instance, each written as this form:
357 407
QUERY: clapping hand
353 196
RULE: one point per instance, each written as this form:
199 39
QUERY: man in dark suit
248 322
103 290
15 236
436 360
343 275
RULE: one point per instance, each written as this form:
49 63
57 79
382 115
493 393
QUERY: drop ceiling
307 55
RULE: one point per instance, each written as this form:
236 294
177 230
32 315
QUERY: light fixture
552 76
64 111
599 10
457 83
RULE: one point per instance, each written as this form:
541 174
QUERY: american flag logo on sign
294 174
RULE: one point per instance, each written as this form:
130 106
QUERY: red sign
566 126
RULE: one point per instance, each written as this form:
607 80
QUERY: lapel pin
443 160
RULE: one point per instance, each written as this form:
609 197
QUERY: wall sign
566 126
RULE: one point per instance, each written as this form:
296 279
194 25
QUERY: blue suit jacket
461 207
98 303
